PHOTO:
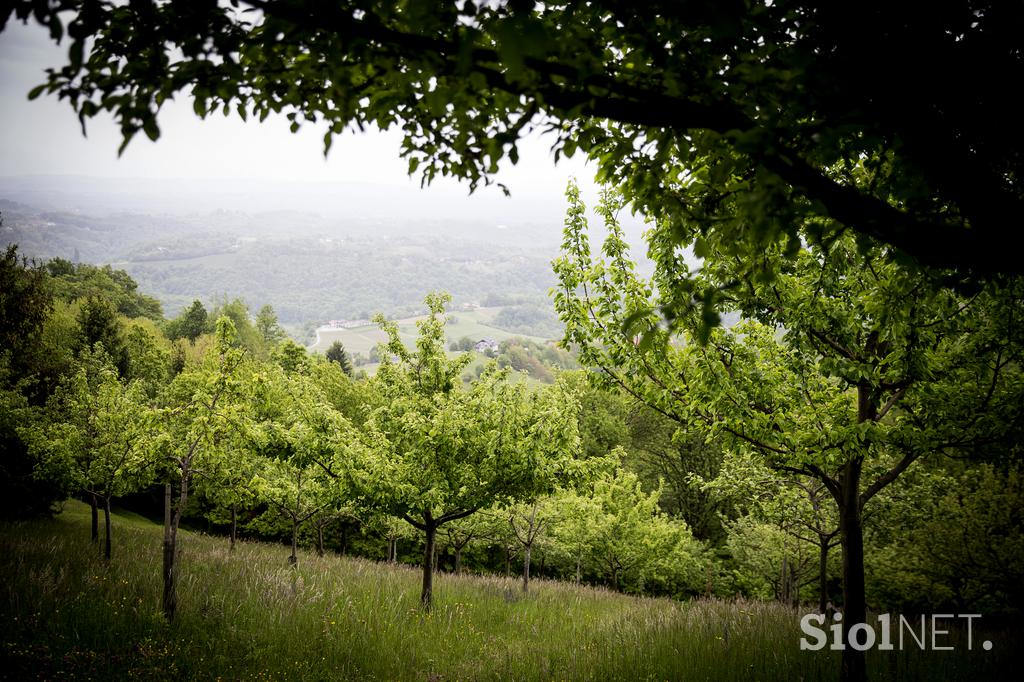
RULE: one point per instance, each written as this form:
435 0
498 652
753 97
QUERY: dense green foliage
292 416
848 369
25 301
440 453
72 281
336 353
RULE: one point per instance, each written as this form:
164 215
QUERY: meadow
245 615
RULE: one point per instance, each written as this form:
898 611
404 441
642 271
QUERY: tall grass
245 615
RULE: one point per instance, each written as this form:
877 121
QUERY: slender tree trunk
851 535
527 549
234 525
93 508
293 560
434 562
170 599
783 583
822 573
458 561
106 527
172 520
427 596
319 540
392 550
854 600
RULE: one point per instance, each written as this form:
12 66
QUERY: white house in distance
484 345
346 324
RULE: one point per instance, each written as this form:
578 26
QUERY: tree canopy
848 369
733 121
434 453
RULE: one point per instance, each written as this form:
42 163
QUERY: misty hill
315 252
311 268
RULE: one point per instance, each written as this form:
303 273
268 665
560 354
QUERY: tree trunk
852 537
319 540
293 560
526 567
392 550
433 559
426 597
93 508
782 593
106 527
458 561
822 573
170 599
234 525
508 562
171 522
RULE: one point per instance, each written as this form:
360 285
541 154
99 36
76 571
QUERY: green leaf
149 126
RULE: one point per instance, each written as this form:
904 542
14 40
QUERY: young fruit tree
294 493
528 522
780 520
294 434
434 452
98 439
392 529
202 412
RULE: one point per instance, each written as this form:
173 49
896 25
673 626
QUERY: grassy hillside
476 324
247 616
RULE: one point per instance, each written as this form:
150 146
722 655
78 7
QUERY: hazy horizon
244 164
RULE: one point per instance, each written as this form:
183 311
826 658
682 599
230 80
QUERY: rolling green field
245 615
476 324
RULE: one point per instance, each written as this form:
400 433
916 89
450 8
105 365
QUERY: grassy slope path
247 616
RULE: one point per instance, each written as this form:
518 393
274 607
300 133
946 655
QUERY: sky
43 138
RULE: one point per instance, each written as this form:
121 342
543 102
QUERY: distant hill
310 269
315 252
